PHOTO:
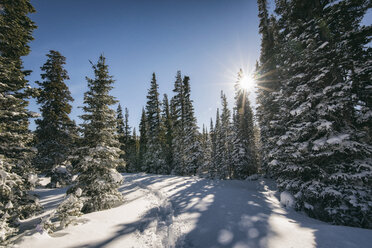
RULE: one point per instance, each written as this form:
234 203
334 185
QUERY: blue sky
208 40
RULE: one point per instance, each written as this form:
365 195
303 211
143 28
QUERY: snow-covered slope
171 211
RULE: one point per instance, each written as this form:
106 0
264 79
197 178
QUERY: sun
247 82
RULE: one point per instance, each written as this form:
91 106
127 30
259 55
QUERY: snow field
172 211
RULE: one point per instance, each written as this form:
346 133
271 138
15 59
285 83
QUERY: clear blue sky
208 40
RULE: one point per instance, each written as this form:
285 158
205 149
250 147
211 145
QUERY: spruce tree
268 82
154 156
53 131
168 126
177 104
15 154
216 147
244 151
191 139
130 145
224 142
142 141
186 147
98 178
322 156
206 147
121 137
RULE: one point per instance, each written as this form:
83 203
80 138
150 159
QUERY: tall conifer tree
154 157
244 152
15 153
98 178
322 156
54 131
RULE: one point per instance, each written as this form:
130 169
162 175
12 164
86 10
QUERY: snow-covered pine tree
177 106
53 132
244 145
142 141
206 147
98 178
268 82
121 137
130 145
154 156
191 139
186 146
216 147
15 153
134 153
168 126
225 142
323 158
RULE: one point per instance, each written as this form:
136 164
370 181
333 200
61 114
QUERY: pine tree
216 147
121 137
268 81
244 152
130 145
322 157
154 157
98 178
206 147
178 112
224 142
191 139
15 154
142 141
168 126
186 147
53 136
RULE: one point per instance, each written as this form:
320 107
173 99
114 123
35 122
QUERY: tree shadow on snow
214 213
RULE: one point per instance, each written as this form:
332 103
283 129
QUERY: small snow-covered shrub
5 229
253 177
70 208
61 176
287 199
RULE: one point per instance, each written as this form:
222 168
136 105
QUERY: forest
310 132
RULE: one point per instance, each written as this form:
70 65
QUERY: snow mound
287 199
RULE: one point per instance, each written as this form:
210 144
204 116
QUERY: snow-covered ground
172 211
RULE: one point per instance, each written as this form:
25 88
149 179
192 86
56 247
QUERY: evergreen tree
53 132
186 147
168 126
244 152
154 157
224 142
216 147
322 156
15 154
191 139
142 141
130 145
268 82
121 137
98 178
206 147
177 104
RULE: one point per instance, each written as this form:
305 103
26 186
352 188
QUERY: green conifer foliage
98 178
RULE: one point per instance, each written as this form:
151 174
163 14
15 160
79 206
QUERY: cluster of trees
170 141
314 110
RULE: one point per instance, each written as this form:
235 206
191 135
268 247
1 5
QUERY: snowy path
171 211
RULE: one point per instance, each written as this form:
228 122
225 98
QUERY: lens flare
247 82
